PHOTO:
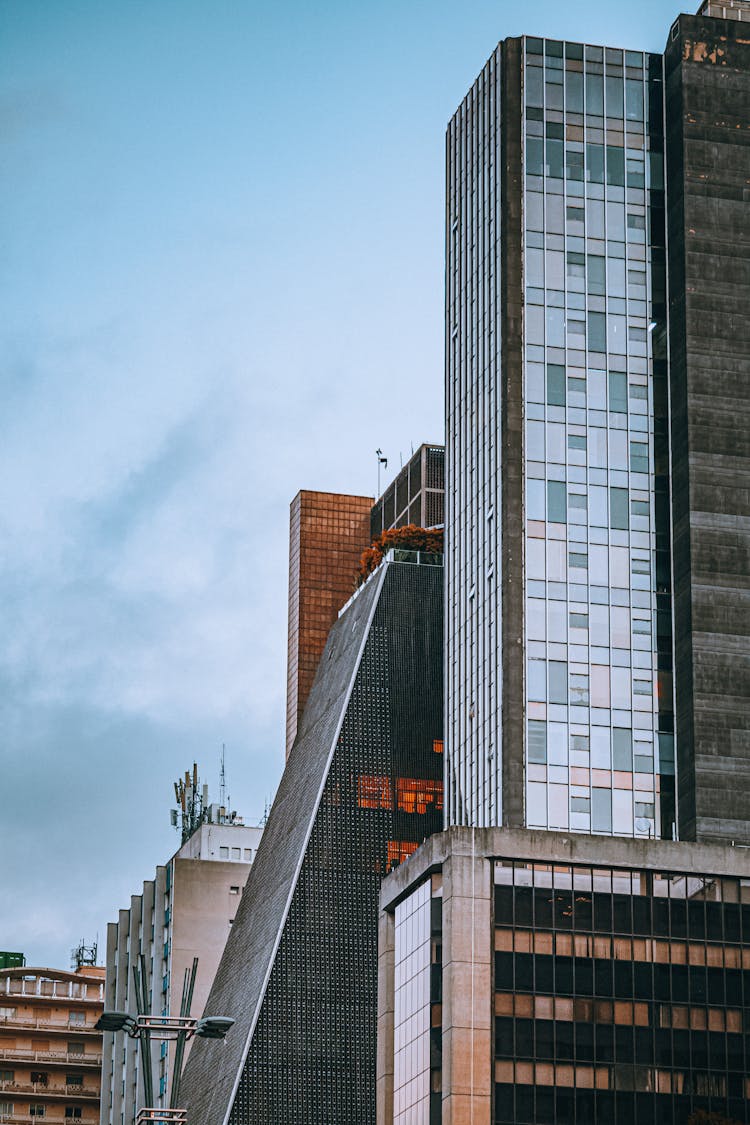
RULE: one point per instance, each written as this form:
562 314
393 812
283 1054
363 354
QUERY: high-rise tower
577 455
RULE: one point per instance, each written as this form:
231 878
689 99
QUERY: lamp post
178 1029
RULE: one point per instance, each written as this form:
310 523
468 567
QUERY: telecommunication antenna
223 779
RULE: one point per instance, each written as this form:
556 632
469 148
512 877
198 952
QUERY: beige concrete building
50 1051
543 977
185 911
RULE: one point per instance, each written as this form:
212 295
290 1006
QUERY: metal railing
50 1057
27 1023
45 1090
161 1117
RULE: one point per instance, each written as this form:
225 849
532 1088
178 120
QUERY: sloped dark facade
362 788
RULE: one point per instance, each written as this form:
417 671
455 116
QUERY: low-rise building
185 911
50 1050
539 977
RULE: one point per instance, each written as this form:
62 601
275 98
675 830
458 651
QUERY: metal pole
145 1040
187 1000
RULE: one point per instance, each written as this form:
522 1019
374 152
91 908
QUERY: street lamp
175 1028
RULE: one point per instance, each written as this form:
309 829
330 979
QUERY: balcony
62 990
10 1090
57 1027
51 1058
48 1119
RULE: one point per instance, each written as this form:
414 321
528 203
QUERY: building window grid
619 992
576 818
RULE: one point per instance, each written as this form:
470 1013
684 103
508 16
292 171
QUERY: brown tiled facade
50 1050
328 533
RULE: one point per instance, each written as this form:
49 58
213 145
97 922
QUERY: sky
221 275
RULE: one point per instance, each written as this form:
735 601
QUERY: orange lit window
413 795
398 851
374 792
437 746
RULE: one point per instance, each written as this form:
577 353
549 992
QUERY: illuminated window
374 792
413 795
398 851
437 746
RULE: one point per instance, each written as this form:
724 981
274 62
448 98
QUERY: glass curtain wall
598 618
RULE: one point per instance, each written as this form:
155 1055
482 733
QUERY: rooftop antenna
84 955
381 461
223 779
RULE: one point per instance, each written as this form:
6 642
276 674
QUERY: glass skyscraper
560 511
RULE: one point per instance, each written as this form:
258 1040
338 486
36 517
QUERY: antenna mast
223 779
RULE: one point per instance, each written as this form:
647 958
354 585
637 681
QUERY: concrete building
50 1051
362 788
542 977
187 910
598 448
417 494
327 534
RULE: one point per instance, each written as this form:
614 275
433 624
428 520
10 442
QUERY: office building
50 1050
416 495
327 534
361 790
185 911
541 977
598 437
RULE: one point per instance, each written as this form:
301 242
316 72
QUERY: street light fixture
177 1029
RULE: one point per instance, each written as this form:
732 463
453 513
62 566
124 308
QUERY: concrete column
467 991
386 997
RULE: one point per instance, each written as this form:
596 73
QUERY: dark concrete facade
707 78
362 788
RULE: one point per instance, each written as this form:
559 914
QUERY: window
7 1075
597 332
579 690
74 1079
595 164
601 810
618 392
73 1113
76 1018
558 681
578 559
374 792
36 1110
224 853
398 851
634 99
6 1108
437 746
639 457
556 502
7 1013
76 1048
248 855
537 741
236 853
555 384
235 890
596 274
622 749
39 1077
618 509
414 795
595 94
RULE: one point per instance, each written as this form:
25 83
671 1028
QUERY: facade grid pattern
311 1059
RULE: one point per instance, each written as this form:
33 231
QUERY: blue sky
221 280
